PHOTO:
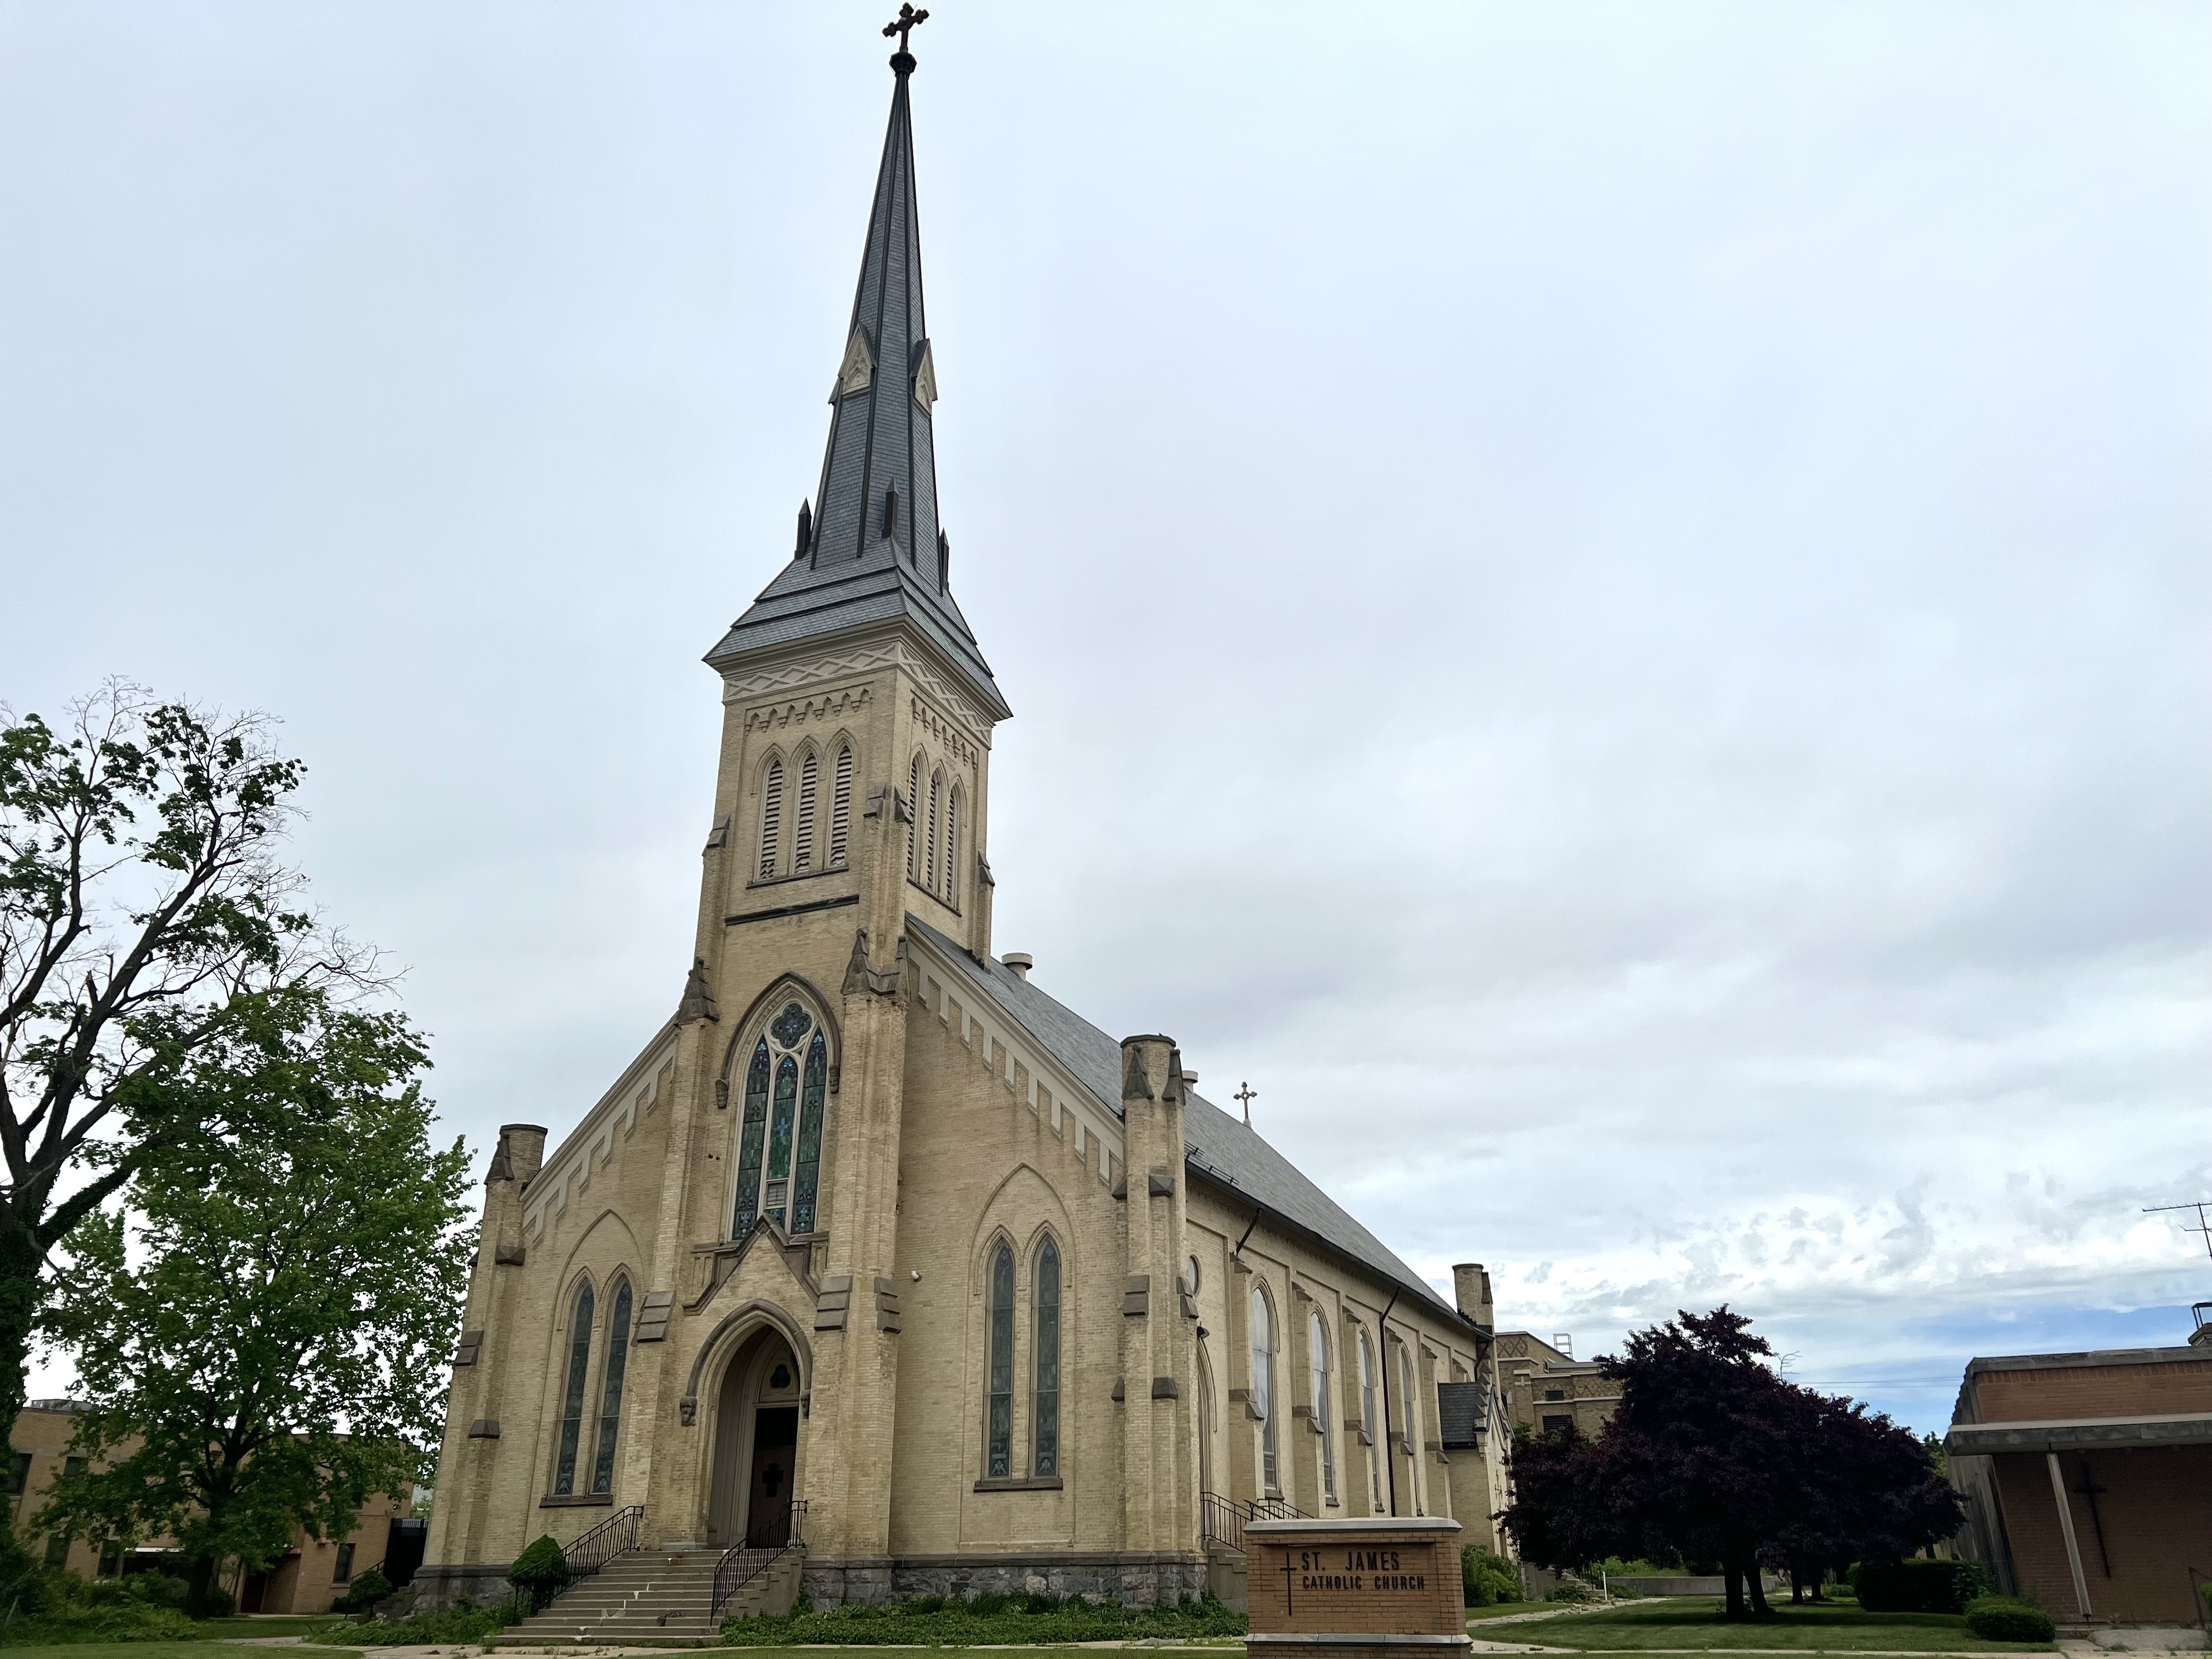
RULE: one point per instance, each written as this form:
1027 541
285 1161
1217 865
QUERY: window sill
1034 1483
800 875
930 893
573 1500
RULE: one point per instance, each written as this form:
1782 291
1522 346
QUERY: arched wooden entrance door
756 1445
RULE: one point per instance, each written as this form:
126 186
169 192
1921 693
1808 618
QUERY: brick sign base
1355 1589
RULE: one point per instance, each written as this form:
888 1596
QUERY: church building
878 1260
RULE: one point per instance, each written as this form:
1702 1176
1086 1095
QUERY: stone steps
655 1598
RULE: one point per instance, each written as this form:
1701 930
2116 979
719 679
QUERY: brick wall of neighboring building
1543 1385
2155 1514
2094 1390
2142 1512
305 1579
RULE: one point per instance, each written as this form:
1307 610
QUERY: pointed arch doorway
755 1459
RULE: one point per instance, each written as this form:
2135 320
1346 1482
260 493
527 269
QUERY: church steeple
872 549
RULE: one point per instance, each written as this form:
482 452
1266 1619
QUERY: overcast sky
1608 601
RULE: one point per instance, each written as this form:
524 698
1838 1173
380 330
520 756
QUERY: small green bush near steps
989 1619
1488 1579
2008 1619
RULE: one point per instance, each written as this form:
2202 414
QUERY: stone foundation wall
479 1583
1133 1580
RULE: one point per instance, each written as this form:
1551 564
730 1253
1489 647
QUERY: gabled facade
873 1224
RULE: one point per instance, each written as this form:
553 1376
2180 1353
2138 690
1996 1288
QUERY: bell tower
853 791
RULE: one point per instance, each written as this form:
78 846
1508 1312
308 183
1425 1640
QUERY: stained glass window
750 1137
779 1137
611 1390
1263 1388
572 1409
791 1024
816 1086
1375 1428
1317 1341
1045 1458
999 1461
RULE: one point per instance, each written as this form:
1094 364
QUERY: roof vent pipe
1018 964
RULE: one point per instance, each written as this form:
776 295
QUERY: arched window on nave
579 1371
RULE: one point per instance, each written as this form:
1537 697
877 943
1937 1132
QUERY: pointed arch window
1324 1418
1044 1451
802 828
841 804
780 1139
913 820
1374 1427
1412 1425
572 1397
752 1137
1263 1389
610 1389
936 847
812 1088
771 819
998 1431
952 850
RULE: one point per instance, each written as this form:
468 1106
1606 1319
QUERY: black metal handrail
588 1552
595 1548
1223 1519
742 1563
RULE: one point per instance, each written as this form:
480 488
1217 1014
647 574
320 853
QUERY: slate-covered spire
874 549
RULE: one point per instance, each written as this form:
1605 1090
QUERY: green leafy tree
261 1327
140 896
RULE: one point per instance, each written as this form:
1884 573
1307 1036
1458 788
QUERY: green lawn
1499 1609
1695 1621
304 1624
155 1650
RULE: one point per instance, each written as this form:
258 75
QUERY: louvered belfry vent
802 829
771 836
841 804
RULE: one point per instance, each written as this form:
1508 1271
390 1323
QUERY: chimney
1471 1291
1018 964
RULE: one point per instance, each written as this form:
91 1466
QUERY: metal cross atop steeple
902 26
1248 1094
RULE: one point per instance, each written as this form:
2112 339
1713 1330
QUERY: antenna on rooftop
2200 1206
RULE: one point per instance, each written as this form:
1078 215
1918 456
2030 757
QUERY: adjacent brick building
307 1579
1545 1387
2088 1478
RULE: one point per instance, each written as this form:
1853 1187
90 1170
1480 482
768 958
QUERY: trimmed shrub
1570 1589
540 1572
1919 1586
364 1593
1487 1578
2008 1619
990 1619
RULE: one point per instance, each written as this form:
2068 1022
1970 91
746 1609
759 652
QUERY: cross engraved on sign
903 24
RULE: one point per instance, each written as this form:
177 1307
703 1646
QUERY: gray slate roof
850 574
1218 1148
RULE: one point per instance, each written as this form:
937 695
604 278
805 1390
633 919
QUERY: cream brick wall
946 1132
